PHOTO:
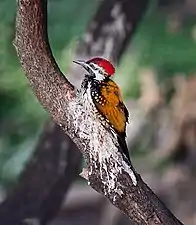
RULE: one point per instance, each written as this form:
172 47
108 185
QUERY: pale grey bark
107 171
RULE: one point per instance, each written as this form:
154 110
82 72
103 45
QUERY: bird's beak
85 66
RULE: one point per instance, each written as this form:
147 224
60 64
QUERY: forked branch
107 172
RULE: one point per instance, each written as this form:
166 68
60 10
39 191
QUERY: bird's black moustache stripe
90 72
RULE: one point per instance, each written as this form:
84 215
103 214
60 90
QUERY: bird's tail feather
124 147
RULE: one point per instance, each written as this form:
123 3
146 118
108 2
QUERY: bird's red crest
105 64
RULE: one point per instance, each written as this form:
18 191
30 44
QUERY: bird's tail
124 147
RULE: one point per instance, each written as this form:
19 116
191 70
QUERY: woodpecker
106 96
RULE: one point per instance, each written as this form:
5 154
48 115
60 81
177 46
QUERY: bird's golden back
111 106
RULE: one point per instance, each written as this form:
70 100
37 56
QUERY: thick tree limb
116 32
108 173
103 31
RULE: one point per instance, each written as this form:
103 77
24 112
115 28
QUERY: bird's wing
113 108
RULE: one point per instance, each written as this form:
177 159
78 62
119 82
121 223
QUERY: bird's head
98 68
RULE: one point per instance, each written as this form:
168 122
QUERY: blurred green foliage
20 113
157 46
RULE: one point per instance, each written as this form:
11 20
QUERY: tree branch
54 147
110 31
107 171
122 20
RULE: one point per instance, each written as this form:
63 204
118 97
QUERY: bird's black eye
101 72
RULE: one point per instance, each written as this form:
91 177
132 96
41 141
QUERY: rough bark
104 30
107 171
122 20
